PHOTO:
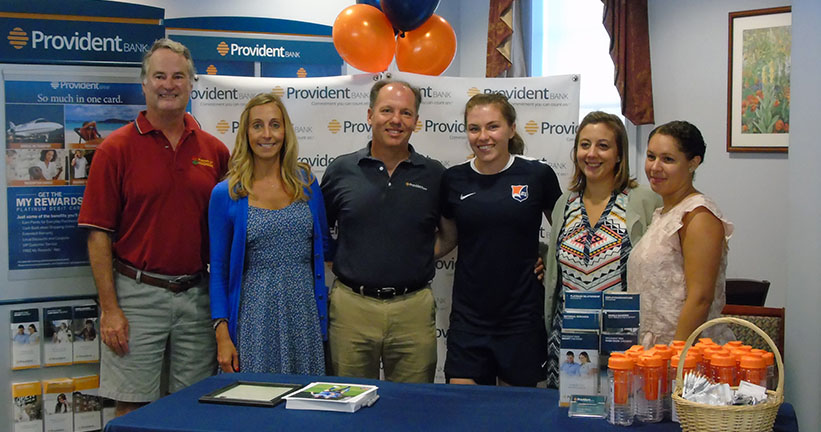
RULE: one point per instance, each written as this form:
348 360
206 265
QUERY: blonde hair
295 175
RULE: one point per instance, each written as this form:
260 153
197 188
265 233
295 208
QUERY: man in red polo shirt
145 207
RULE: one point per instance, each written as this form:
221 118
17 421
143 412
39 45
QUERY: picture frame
758 80
251 393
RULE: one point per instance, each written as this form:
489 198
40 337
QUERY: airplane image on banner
39 127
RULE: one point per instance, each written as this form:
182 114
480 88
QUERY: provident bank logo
223 126
533 127
301 72
222 48
334 126
257 50
278 91
76 41
473 91
211 70
527 93
418 126
18 38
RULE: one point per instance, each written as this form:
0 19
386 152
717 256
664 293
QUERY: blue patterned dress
278 327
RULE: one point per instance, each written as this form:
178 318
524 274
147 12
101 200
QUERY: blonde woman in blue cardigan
595 223
269 236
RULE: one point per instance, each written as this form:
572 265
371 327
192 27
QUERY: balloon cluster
369 33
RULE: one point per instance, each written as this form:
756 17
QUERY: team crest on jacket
518 192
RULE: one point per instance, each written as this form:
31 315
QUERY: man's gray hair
175 47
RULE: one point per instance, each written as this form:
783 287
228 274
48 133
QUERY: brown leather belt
175 285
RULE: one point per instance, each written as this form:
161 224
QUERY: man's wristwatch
219 321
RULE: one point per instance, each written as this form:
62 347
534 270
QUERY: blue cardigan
227 225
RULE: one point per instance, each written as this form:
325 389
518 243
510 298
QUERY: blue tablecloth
401 407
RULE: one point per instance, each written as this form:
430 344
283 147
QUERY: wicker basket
751 418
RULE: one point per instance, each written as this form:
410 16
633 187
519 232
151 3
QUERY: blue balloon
374 3
407 15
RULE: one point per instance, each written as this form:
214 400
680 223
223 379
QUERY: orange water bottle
620 377
690 365
708 354
636 385
753 369
666 353
769 360
651 400
724 368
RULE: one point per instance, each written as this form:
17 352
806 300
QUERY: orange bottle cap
678 343
618 354
769 358
690 362
722 360
708 353
653 360
636 348
664 351
758 350
706 341
695 354
733 344
746 347
738 353
620 363
753 361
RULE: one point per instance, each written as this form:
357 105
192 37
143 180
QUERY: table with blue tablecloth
401 407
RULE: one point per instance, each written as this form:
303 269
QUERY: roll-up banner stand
329 116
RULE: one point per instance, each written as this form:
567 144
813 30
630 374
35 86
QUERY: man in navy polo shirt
384 199
145 207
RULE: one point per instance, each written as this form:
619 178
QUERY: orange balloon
428 49
363 36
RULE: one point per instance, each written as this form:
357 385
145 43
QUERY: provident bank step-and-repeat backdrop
329 116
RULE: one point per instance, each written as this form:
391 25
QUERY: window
569 38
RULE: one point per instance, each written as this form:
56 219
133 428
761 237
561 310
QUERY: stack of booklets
324 396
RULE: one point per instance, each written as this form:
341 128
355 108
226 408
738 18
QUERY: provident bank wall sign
64 32
260 50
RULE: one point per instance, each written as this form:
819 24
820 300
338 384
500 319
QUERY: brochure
27 406
86 328
25 339
579 365
324 396
87 404
57 404
58 336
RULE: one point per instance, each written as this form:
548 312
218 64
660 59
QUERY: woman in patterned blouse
595 223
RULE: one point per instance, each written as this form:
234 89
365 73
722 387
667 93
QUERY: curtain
499 38
626 23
